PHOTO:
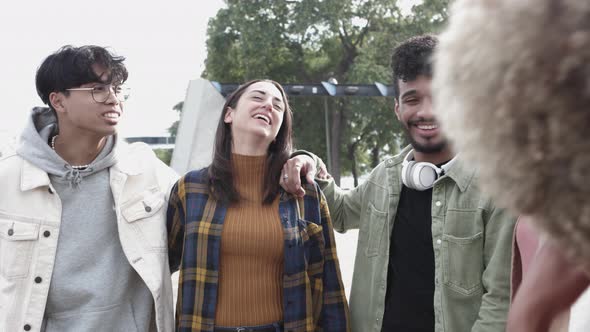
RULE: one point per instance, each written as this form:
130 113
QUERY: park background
167 44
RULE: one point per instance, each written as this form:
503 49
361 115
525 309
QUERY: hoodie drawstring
74 175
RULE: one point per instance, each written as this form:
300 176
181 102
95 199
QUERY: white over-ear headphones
420 175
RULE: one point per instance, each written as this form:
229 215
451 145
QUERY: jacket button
38 280
46 233
27 327
10 232
148 209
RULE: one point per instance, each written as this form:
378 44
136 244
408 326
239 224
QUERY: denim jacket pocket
463 263
376 228
17 240
145 214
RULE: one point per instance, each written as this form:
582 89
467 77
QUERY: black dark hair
220 177
71 67
412 58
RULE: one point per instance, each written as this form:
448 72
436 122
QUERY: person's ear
228 118
396 110
56 100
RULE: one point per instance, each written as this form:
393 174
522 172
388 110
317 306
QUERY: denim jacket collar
32 177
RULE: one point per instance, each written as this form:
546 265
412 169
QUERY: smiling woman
241 132
270 256
256 119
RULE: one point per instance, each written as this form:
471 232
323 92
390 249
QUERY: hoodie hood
34 147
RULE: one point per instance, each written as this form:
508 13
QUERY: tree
165 155
295 41
173 130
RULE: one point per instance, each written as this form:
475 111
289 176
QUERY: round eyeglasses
102 92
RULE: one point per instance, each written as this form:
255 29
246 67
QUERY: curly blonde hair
512 81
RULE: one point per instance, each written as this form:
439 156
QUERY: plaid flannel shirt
313 293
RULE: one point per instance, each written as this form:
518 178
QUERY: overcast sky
164 43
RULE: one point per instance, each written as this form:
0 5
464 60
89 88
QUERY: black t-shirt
409 301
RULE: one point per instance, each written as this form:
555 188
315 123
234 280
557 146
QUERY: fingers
322 173
290 178
308 170
309 176
296 168
291 175
291 183
322 166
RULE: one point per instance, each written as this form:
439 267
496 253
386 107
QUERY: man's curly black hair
412 58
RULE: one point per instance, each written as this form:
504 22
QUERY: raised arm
345 205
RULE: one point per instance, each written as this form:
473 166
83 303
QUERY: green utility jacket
471 240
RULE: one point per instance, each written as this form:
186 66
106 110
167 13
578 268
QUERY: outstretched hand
301 166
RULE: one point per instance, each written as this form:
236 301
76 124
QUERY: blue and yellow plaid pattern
313 293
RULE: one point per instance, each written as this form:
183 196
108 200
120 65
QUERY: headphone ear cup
423 176
406 173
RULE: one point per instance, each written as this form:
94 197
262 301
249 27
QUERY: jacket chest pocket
17 240
376 229
145 215
463 263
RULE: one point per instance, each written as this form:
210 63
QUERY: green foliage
173 130
164 155
308 41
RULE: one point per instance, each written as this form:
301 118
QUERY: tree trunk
374 156
336 137
351 156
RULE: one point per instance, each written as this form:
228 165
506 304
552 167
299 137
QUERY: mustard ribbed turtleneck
251 263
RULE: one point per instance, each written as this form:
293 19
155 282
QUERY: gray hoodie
93 286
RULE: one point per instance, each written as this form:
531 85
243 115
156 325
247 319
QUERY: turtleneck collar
248 173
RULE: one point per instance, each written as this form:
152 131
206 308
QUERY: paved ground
346 248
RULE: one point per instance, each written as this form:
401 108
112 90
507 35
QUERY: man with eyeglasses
82 231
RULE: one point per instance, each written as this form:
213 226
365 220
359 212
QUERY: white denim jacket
30 215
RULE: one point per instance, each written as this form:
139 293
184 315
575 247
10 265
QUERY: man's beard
423 148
